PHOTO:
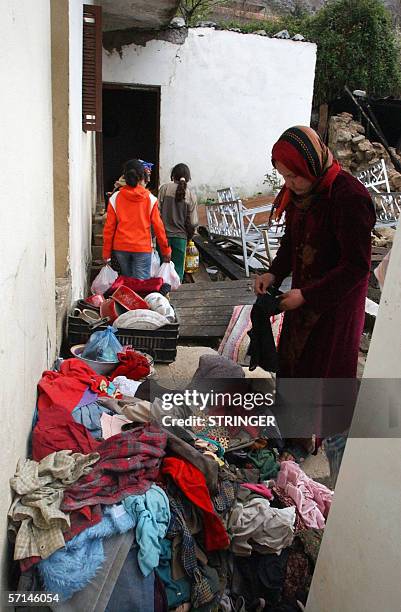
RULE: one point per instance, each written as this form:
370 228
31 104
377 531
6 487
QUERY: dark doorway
131 128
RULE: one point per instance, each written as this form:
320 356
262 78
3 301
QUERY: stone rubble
282 34
355 152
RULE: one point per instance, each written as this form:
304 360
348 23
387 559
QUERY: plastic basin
101 367
129 299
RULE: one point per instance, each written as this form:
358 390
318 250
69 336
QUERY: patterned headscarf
304 153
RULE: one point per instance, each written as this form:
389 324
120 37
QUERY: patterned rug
235 343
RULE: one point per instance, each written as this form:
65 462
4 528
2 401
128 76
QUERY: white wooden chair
229 218
387 202
375 176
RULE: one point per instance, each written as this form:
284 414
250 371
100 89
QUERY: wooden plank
203 314
380 250
206 321
209 250
212 285
204 326
215 301
229 303
188 279
204 309
208 310
201 275
201 331
210 296
323 121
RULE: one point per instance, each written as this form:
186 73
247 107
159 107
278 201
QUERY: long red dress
327 247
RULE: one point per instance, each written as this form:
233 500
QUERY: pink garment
112 424
313 500
239 323
258 488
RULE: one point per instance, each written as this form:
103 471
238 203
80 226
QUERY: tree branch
189 8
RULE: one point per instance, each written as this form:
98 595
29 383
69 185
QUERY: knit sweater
180 218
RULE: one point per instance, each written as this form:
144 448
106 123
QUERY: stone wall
355 152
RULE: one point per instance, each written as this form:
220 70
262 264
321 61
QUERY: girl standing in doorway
178 209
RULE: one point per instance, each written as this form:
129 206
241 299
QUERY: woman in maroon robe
327 247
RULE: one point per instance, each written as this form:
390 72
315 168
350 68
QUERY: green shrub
357 46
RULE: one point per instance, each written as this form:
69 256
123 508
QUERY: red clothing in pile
129 464
192 483
56 430
59 393
66 387
141 286
133 365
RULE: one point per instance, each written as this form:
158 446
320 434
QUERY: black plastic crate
160 343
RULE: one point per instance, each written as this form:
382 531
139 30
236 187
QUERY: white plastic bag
154 269
104 280
126 386
169 275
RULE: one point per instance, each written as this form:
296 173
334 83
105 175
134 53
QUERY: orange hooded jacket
131 213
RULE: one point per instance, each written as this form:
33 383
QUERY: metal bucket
101 367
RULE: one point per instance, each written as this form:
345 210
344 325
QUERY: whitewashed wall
82 156
359 562
27 322
225 99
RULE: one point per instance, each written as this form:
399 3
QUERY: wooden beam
231 285
204 309
323 121
212 253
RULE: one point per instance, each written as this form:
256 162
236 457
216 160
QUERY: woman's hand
107 262
292 299
166 258
263 282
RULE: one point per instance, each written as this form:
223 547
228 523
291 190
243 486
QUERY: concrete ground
178 374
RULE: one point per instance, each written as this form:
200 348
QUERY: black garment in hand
262 348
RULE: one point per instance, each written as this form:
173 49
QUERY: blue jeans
135 265
132 591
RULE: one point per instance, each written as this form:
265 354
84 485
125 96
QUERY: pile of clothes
116 513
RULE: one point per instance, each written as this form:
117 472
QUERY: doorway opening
131 129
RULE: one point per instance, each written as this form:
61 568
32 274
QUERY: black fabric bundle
262 349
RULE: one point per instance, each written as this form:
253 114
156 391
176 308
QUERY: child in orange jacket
131 213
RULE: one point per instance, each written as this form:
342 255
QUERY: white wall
225 99
359 562
82 167
27 322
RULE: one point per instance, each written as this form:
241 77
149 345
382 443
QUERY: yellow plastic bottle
191 258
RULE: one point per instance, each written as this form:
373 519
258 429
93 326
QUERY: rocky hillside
276 8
